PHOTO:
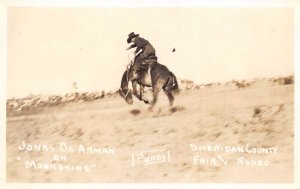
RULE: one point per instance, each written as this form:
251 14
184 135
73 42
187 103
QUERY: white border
2 92
144 3
296 95
151 3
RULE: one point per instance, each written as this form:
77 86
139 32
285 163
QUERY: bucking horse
161 78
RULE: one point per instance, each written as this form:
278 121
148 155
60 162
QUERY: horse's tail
175 87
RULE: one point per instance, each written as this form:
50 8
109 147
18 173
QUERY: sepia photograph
177 94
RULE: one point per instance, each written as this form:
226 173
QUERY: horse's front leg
134 88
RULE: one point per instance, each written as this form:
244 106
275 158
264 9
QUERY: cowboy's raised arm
138 49
131 46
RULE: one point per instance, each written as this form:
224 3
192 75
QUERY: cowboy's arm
132 46
138 49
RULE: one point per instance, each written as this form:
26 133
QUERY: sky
48 49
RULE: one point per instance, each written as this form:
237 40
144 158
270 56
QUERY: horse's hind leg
157 84
170 96
155 95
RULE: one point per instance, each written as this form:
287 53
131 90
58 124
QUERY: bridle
127 93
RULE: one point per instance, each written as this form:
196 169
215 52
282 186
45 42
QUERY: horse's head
127 95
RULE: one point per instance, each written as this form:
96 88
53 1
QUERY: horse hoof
150 109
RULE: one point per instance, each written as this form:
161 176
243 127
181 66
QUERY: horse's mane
124 78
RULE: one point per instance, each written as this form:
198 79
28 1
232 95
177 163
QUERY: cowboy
146 57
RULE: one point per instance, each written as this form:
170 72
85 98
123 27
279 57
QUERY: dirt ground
260 116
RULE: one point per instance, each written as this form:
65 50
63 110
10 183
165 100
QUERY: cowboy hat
131 35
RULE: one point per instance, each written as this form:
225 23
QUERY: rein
125 95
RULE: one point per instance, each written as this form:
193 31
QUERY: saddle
149 62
